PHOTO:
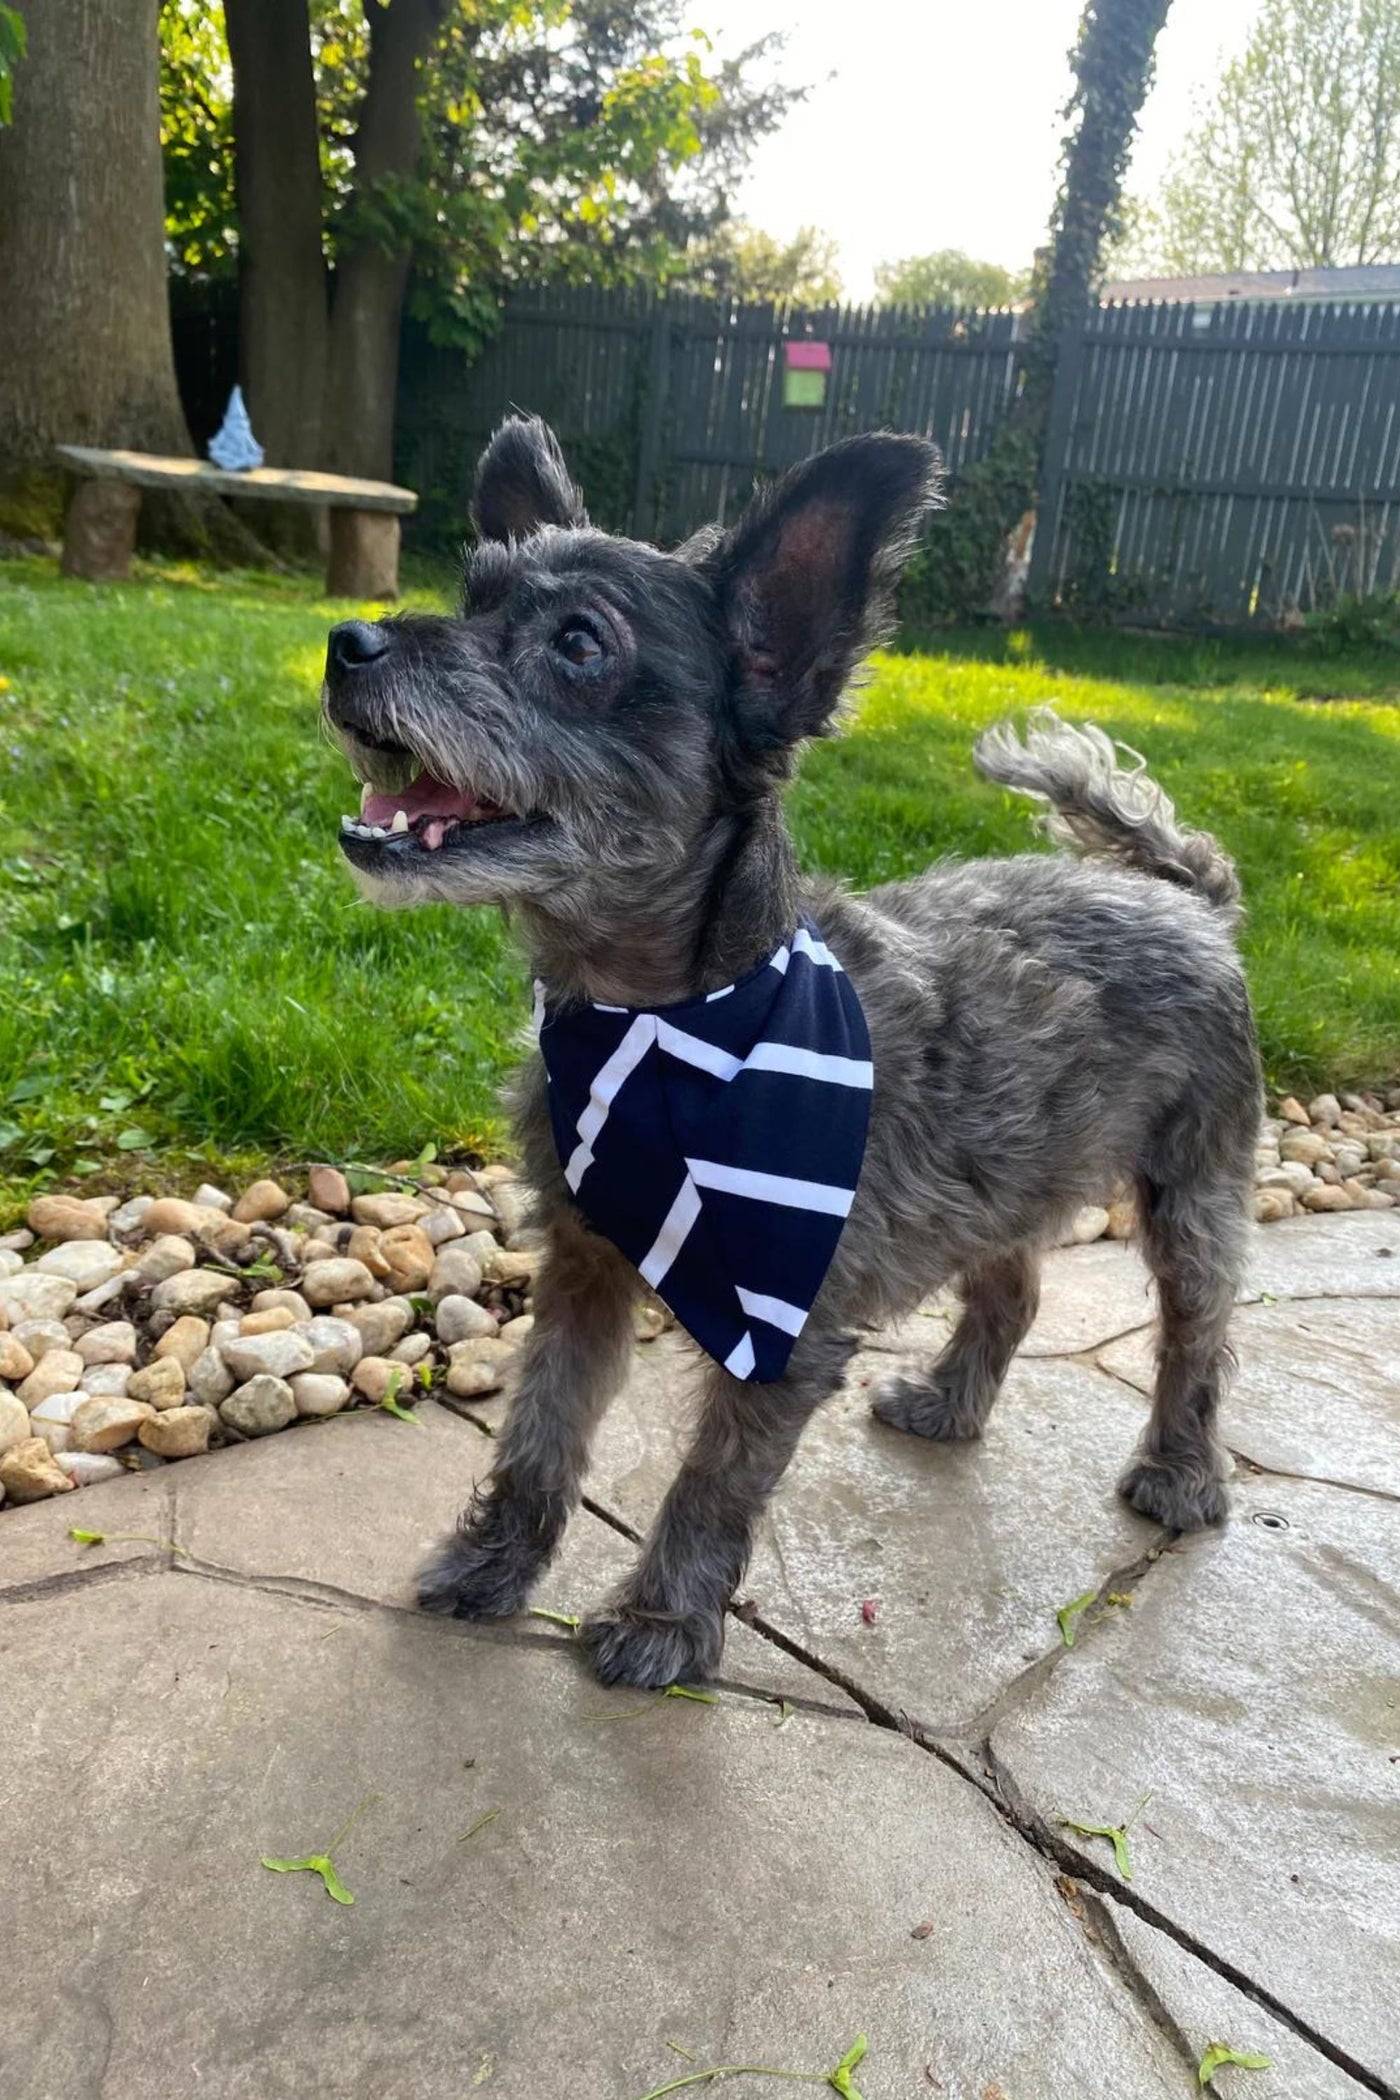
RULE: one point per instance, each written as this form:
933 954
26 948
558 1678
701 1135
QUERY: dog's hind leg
1194 1238
575 1360
953 1398
666 1623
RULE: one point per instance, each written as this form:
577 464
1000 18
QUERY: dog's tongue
424 797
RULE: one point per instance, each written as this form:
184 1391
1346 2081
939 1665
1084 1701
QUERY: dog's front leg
574 1362
666 1624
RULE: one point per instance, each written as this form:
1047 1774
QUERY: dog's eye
579 644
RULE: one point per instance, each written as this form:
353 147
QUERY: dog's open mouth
424 816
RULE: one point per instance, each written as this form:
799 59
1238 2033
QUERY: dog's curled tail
1103 806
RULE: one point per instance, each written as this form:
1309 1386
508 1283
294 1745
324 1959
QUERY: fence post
1058 423
644 519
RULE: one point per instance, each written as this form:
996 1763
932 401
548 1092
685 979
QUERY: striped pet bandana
718 1143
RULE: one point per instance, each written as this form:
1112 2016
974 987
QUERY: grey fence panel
1226 463
671 408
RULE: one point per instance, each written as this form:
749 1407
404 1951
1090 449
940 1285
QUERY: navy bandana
718 1143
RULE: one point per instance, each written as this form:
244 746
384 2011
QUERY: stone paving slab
1205 2007
1333 1257
1254 1689
352 1504
693 1873
967 1551
1089 1296
35 1546
1316 1392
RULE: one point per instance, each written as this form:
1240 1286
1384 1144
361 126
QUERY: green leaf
571 1619
1117 1835
1218 2053
391 1406
86 1538
786 1710
321 1862
681 1691
840 2079
314 1863
134 1140
1067 1614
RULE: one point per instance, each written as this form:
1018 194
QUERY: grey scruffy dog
598 744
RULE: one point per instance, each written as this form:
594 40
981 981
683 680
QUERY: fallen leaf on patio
1218 2053
314 1863
922 1932
838 2077
1116 1833
868 1610
321 1862
118 1538
1067 1614
571 1619
786 1710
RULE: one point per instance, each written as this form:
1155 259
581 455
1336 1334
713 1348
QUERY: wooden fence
670 408
1234 464
1228 463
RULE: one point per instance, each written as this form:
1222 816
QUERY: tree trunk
990 509
371 277
84 321
282 325
84 324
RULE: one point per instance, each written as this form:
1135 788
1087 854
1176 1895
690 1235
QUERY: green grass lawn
185 967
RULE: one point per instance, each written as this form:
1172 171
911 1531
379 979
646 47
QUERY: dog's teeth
348 824
400 823
365 792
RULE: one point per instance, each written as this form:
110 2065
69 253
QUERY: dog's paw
925 1408
468 1578
627 1646
1184 1497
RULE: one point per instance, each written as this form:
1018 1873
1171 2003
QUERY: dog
598 744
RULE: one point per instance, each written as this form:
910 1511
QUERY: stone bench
99 532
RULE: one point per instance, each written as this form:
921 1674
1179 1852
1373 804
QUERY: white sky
937 125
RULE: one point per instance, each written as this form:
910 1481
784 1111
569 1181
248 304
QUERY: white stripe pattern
772 1188
619 1068
776 1311
673 1234
810 1064
740 1361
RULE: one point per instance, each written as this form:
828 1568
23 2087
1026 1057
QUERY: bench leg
364 558
99 533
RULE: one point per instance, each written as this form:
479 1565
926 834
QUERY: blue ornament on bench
233 445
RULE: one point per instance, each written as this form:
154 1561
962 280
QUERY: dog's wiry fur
1040 1026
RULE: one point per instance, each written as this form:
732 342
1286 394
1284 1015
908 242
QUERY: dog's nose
354 644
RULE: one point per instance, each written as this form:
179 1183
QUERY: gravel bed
135 1333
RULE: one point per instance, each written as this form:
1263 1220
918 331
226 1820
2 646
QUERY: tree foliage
740 261
949 277
561 138
1295 163
12 49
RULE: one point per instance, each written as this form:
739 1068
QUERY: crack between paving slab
323 1596
1039 1834
992 1780
45 1586
1095 1919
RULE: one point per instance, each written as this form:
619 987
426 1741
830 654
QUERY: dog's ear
522 483
805 579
